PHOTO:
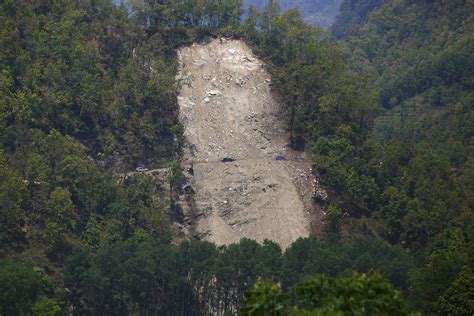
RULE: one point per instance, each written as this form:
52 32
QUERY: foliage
46 307
264 298
352 13
387 117
317 12
85 70
320 295
150 275
423 135
309 73
12 195
88 91
459 298
23 289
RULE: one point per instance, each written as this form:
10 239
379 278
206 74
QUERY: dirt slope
228 110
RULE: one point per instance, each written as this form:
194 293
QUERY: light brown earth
228 110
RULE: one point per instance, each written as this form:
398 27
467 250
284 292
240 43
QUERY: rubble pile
235 130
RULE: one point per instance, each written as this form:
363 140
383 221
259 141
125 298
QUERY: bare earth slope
228 110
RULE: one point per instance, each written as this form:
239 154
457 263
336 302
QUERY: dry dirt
228 110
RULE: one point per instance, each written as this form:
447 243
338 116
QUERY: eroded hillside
247 181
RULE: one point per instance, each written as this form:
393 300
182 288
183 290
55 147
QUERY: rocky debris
213 93
229 112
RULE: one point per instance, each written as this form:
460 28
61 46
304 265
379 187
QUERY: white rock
213 92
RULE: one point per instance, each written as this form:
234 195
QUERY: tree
45 306
431 282
12 215
59 222
265 298
319 295
23 289
132 276
459 298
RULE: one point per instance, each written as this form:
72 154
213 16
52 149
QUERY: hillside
353 13
317 12
175 158
418 58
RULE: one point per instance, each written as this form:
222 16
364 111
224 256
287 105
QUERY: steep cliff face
247 181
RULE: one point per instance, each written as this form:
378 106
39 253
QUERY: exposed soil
265 189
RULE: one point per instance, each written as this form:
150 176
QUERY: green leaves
65 69
439 277
45 306
265 298
103 276
459 298
24 290
12 200
320 295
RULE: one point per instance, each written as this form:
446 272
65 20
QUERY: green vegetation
150 275
387 116
320 295
24 288
353 13
316 12
419 57
88 72
88 91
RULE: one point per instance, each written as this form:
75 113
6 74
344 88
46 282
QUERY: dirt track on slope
228 110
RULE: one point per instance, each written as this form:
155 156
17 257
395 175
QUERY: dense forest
88 92
317 12
353 13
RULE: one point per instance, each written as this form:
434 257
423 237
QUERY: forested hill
352 13
88 92
418 57
317 12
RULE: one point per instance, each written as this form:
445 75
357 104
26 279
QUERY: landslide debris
246 181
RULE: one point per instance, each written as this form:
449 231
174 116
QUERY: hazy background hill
319 12
353 12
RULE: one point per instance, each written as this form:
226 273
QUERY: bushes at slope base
321 295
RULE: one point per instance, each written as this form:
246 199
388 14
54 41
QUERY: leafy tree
439 274
22 289
12 215
59 221
310 256
264 298
45 306
320 295
459 298
352 13
134 275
